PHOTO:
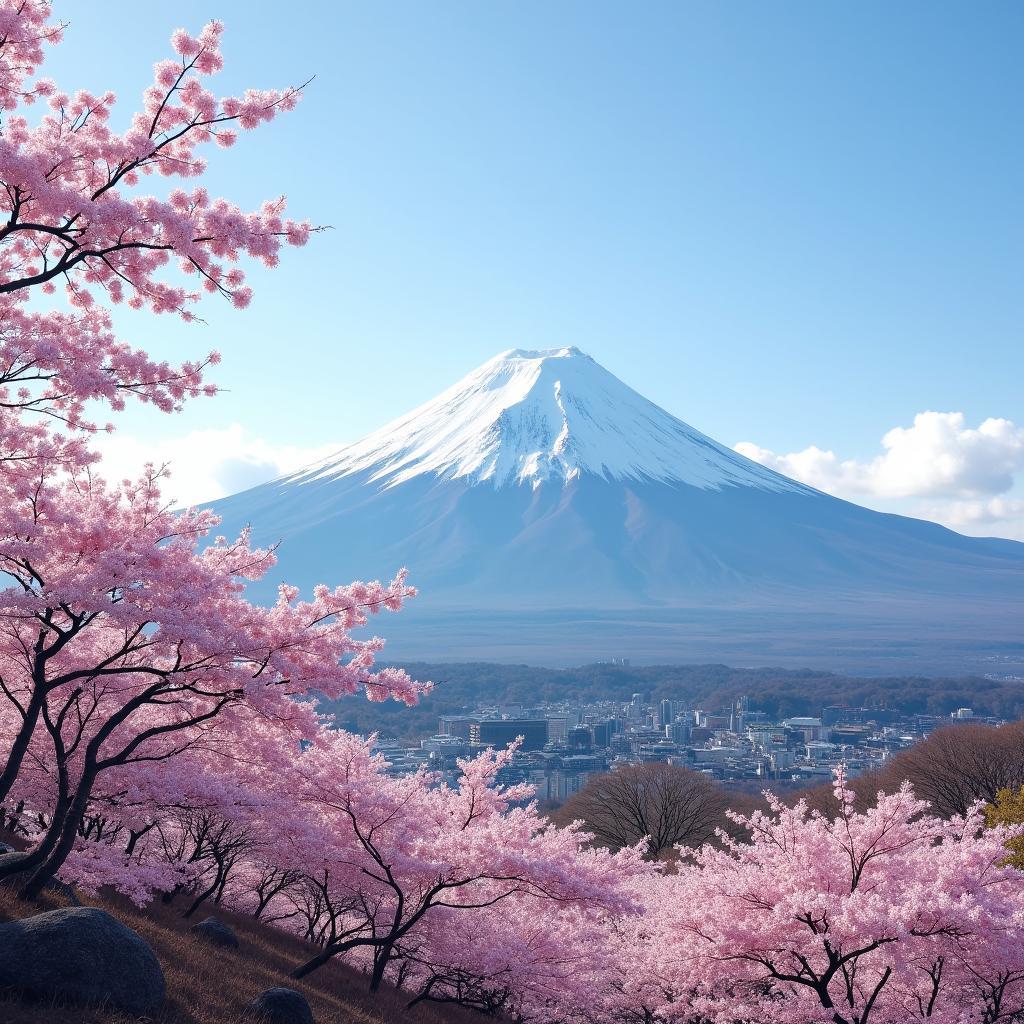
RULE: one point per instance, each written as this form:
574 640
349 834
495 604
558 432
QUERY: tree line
777 692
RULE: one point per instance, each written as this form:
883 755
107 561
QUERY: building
820 751
718 723
678 732
636 707
456 725
558 728
850 735
580 737
668 712
739 715
500 732
448 746
809 729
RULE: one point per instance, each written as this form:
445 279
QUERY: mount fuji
549 513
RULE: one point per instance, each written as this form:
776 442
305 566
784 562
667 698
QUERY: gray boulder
6 848
84 955
10 856
280 1006
215 932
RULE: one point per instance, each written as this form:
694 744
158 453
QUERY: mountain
528 417
549 513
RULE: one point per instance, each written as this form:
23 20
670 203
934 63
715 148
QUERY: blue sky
790 224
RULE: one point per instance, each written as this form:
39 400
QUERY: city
563 745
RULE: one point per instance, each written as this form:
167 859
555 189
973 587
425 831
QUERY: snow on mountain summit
530 416
550 514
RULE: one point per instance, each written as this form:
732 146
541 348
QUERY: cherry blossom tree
128 653
527 959
889 915
405 852
71 218
125 637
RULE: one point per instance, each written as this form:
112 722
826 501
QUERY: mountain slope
541 489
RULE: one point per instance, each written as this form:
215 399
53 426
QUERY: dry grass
208 985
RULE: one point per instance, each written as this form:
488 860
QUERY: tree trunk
223 883
10 821
311 965
380 965
16 755
135 837
202 898
424 994
46 871
36 856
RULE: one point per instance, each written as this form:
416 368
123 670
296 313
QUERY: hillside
212 986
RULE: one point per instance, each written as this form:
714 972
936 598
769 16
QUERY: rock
217 933
10 856
84 955
6 848
280 1006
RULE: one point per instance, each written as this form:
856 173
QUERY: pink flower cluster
70 217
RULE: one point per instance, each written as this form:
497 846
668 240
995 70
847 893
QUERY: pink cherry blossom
125 636
890 915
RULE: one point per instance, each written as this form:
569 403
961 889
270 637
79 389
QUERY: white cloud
206 464
966 473
1006 515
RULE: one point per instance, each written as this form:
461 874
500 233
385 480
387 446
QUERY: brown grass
208 985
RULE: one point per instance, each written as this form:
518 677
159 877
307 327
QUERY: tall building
636 707
580 737
667 713
739 715
678 732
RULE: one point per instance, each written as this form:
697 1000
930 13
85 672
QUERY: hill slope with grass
208 985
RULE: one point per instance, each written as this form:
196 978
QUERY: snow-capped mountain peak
550 514
530 416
